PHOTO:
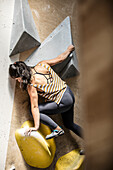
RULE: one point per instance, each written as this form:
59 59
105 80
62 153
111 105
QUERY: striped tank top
54 90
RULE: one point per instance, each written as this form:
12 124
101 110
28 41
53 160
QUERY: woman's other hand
71 48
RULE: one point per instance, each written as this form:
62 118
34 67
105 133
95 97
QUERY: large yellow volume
36 150
70 161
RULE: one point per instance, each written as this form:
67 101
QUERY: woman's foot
55 133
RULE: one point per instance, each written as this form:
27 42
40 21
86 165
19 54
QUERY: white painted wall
7 86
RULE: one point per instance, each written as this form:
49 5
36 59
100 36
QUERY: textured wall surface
47 15
6 84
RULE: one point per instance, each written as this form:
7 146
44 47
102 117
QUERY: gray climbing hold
24 33
55 44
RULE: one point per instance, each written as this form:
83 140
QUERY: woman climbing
41 79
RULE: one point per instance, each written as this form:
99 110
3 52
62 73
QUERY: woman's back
51 86
40 75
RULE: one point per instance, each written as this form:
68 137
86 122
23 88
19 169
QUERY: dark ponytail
20 69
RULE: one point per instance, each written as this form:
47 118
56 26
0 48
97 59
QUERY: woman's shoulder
32 81
42 63
31 88
44 67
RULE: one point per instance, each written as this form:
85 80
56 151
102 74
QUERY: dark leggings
66 108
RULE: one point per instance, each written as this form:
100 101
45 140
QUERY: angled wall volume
24 33
55 44
71 68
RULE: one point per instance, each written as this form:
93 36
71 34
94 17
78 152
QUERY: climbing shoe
55 133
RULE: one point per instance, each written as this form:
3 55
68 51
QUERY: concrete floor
47 15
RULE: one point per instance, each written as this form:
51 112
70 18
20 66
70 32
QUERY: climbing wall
47 16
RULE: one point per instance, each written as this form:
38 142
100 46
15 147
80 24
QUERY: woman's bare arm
60 58
34 108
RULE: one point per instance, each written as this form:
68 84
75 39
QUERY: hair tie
13 66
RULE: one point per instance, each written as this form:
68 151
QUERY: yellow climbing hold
70 161
36 150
